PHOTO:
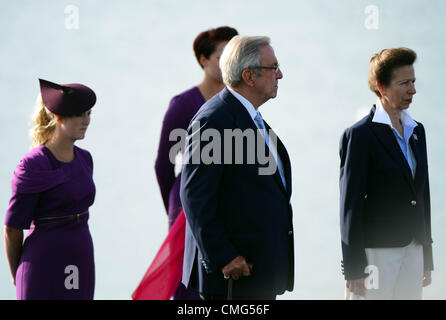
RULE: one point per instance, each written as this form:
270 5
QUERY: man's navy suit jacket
233 211
381 205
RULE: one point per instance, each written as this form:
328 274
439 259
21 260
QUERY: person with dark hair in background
208 47
52 190
384 189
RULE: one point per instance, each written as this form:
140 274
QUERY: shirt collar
381 116
245 102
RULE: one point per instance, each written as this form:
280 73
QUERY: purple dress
181 110
51 198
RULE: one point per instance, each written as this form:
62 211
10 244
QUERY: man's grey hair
241 53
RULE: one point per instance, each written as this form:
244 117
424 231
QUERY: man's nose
279 74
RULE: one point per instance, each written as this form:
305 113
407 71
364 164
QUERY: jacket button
290 233
413 203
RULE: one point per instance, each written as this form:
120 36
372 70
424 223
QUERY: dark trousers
183 293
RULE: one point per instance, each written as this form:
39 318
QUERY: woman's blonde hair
44 124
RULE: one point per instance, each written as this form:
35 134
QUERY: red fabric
164 274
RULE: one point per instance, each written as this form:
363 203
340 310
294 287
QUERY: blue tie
259 120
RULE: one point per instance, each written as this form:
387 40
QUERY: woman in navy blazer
384 189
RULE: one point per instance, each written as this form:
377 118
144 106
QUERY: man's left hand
237 268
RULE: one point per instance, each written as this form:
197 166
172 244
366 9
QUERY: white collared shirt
245 102
253 113
381 116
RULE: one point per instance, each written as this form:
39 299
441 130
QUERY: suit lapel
283 154
244 121
416 145
387 138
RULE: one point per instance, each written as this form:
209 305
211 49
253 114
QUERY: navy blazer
381 204
231 210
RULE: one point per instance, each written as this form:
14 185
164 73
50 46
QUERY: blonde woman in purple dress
52 190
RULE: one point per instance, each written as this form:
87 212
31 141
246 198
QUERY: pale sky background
137 55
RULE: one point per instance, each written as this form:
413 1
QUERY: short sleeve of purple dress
52 199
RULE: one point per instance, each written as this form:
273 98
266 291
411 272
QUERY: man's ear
248 77
380 88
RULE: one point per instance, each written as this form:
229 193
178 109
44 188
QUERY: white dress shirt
408 123
253 113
